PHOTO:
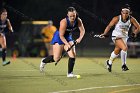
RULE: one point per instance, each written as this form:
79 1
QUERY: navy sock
48 59
4 54
71 63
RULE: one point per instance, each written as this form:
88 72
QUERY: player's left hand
133 37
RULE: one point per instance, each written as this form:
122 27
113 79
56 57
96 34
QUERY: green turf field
23 76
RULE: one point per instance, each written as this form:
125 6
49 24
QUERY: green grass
23 76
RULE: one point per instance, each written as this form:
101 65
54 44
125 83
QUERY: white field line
38 69
18 70
91 88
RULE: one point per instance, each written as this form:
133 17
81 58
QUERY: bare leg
71 61
57 51
3 44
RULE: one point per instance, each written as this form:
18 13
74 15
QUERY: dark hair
2 10
71 9
126 6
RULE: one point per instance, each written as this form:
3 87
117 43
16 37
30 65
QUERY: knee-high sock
4 54
112 57
48 59
123 56
71 63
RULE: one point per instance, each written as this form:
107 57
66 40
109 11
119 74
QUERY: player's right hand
102 36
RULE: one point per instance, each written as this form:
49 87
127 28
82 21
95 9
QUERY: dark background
95 14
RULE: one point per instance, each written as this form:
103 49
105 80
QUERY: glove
132 37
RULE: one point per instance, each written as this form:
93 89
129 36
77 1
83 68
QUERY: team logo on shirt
124 29
2 26
71 29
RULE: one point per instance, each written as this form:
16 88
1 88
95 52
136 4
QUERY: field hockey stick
98 35
75 42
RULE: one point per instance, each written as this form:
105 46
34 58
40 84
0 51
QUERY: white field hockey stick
98 35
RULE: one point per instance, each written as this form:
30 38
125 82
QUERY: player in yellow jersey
47 33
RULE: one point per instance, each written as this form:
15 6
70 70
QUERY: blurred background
30 18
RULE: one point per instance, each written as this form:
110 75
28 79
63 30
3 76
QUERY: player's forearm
107 30
10 26
136 31
82 33
136 24
63 39
11 29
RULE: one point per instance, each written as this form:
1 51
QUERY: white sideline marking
18 70
90 88
46 70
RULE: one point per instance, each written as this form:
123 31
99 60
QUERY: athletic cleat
109 67
4 63
124 68
71 75
42 65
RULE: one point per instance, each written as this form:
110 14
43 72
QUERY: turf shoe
4 63
42 65
71 75
124 68
109 67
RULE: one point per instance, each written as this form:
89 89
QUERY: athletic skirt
56 38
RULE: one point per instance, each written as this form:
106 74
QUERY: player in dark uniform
4 22
62 39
